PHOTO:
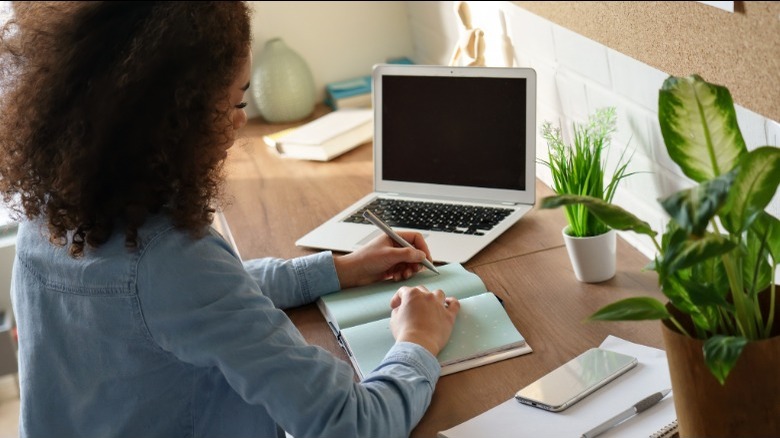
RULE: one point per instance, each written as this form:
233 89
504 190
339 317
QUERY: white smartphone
574 380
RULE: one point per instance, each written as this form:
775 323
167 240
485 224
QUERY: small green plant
580 169
717 257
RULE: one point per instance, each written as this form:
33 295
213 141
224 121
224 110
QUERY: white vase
593 257
282 84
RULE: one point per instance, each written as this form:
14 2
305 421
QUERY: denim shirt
179 338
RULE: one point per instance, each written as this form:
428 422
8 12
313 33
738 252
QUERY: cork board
739 50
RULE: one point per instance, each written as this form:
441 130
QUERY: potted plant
580 169
716 263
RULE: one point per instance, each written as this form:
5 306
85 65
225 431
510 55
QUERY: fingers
402 262
405 292
402 295
417 240
396 300
423 317
452 304
405 262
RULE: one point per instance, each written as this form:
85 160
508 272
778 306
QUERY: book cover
356 101
328 136
483 332
349 93
271 140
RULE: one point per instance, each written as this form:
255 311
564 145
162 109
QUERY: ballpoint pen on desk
371 217
640 406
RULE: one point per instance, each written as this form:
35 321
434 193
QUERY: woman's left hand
382 259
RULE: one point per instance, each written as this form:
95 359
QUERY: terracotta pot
593 258
748 405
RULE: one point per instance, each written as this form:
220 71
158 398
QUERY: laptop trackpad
370 236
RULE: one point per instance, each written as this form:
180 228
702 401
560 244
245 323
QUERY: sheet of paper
515 420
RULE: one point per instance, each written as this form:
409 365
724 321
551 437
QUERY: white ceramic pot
593 258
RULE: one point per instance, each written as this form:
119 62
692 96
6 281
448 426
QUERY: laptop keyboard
432 216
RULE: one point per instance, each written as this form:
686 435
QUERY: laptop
454 159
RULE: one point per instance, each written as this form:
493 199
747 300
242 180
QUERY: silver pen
640 406
371 217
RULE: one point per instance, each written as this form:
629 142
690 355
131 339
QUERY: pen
640 406
398 239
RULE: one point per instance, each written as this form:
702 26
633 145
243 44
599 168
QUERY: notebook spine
668 431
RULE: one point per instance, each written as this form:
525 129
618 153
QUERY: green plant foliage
720 250
631 309
580 169
721 354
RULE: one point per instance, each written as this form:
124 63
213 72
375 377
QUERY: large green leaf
710 275
693 208
699 126
754 187
769 226
674 288
756 270
693 251
705 294
631 309
614 216
721 354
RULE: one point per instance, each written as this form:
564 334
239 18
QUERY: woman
135 317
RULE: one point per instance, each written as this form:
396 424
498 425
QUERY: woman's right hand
423 317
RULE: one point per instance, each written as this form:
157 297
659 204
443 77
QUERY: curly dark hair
109 113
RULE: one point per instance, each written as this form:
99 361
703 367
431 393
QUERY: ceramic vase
593 257
282 84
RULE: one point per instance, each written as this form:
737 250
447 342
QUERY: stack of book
325 137
350 93
355 92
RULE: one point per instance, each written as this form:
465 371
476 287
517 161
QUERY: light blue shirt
179 338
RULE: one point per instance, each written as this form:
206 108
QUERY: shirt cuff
316 274
416 356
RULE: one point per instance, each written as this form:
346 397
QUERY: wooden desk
274 201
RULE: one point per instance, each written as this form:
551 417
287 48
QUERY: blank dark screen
464 131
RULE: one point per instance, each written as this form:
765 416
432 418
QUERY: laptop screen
455 131
466 131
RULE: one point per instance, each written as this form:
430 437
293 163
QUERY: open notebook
483 332
454 151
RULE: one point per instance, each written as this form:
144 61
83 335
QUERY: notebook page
482 327
360 305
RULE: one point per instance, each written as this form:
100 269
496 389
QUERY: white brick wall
577 75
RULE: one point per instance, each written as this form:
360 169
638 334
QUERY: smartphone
574 380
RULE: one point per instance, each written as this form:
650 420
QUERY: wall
339 40
738 50
577 75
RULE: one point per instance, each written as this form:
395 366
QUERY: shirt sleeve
294 282
201 305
